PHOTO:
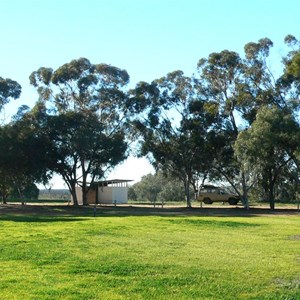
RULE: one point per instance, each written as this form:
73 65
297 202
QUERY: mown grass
149 257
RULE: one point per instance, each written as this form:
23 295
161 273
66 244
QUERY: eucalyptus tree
290 80
149 187
269 146
88 113
157 188
262 87
237 88
9 89
23 155
83 149
221 83
292 59
173 126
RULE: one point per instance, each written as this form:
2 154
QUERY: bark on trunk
187 193
74 195
84 196
272 201
21 194
245 193
4 198
85 189
271 196
245 202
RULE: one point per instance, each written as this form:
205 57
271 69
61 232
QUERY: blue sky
148 38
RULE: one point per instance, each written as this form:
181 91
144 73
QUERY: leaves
269 146
81 86
9 89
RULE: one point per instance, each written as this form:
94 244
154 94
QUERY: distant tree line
54 194
233 121
157 188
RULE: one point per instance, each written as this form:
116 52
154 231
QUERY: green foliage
173 190
82 86
269 146
149 187
173 128
293 67
238 88
85 120
9 89
54 194
23 156
157 188
189 125
148 257
29 192
219 79
88 121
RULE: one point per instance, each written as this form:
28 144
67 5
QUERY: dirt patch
136 210
295 237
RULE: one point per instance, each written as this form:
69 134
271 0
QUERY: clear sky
148 38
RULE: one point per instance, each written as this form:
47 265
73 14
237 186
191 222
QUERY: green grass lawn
159 256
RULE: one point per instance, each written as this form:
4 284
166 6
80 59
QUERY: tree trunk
4 197
272 200
187 193
245 192
271 195
84 195
85 189
20 194
245 202
72 189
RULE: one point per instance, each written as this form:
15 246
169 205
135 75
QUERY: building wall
106 195
91 196
112 194
120 194
79 195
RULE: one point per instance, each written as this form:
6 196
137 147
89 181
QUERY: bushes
157 188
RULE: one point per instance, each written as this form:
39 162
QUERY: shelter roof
111 182
114 181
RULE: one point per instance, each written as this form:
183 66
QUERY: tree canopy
233 121
9 89
87 117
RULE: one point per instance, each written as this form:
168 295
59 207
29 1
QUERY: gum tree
23 155
220 83
9 89
86 105
269 146
173 127
237 88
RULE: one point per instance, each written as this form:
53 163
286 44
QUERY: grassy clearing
61 254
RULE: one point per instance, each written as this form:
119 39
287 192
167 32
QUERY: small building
114 191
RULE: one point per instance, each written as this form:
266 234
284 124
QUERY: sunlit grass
149 257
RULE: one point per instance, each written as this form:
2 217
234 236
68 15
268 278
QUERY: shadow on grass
62 213
218 223
29 219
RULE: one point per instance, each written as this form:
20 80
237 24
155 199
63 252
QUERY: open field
62 252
